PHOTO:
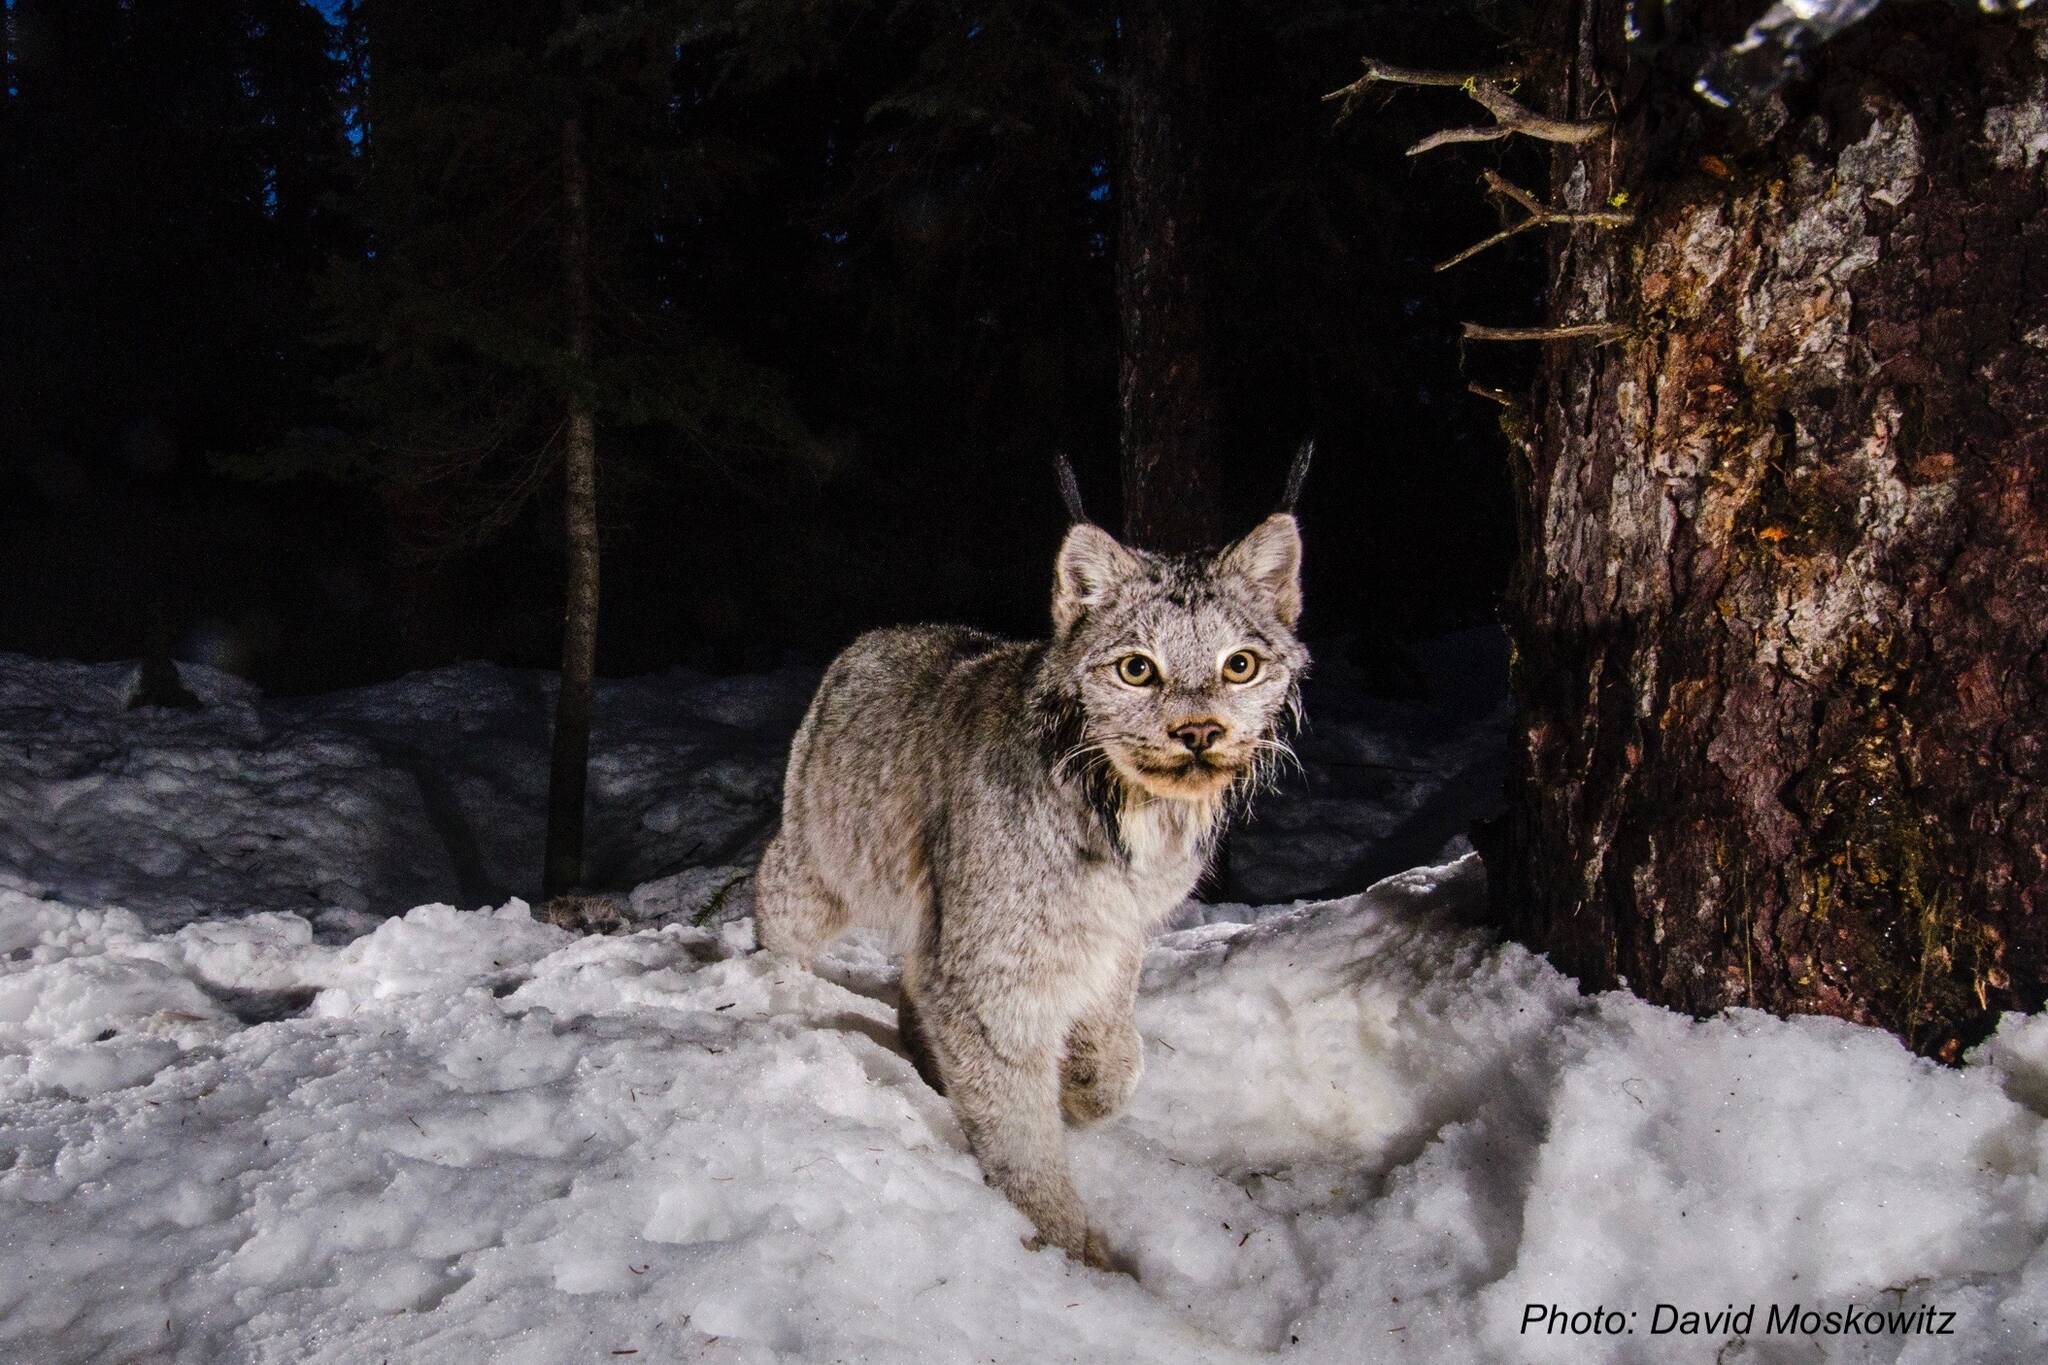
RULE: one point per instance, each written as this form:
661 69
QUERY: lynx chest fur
1018 817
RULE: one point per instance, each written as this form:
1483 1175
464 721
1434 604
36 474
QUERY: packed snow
250 1113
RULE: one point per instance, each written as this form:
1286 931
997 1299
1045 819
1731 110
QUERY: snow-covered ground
358 805
306 1131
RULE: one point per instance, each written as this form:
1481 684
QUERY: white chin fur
1201 787
1163 816
1156 828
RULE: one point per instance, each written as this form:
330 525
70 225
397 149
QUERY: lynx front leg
1007 1100
1104 1054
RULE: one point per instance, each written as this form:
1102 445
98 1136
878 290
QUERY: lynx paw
585 914
1093 1253
1096 1083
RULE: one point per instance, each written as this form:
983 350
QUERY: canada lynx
1020 816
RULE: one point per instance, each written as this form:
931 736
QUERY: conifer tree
512 319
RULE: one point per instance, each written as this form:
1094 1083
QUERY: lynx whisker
1273 750
1066 762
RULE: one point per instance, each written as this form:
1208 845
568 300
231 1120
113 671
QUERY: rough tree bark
569 764
1781 604
1172 459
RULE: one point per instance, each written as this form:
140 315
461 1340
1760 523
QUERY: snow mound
1365 1133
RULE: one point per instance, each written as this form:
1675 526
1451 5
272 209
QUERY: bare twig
1510 117
1488 89
1378 72
1606 331
1540 215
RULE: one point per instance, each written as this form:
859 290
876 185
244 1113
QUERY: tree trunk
1172 465
1781 602
569 768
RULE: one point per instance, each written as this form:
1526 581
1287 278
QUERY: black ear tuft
1070 489
1297 475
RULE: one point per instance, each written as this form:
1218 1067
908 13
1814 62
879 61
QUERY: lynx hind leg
794 911
917 1043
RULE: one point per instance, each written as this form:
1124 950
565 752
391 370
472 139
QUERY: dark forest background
314 320
281 325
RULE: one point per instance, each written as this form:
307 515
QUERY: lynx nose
1198 735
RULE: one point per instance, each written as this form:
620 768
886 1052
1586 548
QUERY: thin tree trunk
1781 608
160 684
1172 465
569 768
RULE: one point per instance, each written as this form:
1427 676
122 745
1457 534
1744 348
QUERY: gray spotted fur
1019 820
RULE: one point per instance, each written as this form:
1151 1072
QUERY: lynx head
1178 670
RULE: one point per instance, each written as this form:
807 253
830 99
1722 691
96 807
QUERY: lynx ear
1271 558
1090 562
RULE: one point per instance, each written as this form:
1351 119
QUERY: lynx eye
1137 670
1240 667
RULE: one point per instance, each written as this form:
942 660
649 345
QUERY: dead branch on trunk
1488 89
1540 215
1605 331
1376 72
